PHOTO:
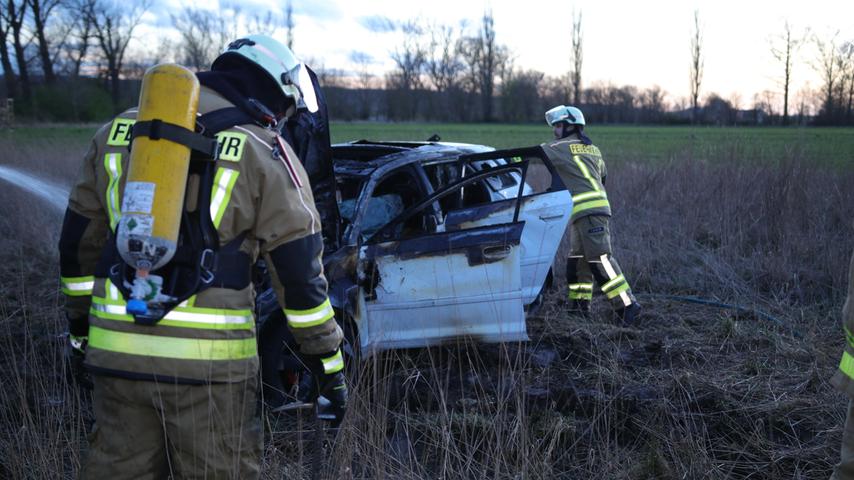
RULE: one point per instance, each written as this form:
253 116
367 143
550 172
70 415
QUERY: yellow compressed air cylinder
153 198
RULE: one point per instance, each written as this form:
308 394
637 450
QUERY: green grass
825 146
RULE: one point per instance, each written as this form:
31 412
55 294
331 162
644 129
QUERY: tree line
69 60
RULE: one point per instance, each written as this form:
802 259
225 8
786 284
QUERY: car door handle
550 217
495 253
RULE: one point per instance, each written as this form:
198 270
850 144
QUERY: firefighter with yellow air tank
583 170
174 361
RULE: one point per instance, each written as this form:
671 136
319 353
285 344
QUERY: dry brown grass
694 392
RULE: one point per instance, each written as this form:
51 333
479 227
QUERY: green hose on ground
715 303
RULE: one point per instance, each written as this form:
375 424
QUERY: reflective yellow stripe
585 172
311 317
613 283
847 364
77 286
588 205
113 166
187 317
587 196
573 295
849 336
221 194
617 291
171 347
333 364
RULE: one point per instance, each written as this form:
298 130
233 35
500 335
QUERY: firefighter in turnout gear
175 396
844 381
582 169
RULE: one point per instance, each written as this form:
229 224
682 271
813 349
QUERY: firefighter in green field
844 381
176 397
582 169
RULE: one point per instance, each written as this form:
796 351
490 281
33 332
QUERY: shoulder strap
223 119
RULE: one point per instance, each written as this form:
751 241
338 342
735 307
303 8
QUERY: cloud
358 57
319 10
378 24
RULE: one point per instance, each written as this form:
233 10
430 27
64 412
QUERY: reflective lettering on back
231 145
579 148
120 132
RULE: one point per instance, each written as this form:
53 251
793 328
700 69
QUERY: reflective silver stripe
79 286
207 317
181 316
219 200
304 318
587 196
612 274
113 162
333 363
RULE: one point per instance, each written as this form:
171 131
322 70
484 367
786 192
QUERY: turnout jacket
844 377
260 193
583 171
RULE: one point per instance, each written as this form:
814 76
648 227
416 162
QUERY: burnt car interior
439 166
417 210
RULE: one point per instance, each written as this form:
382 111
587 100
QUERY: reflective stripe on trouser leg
333 364
581 291
616 285
579 278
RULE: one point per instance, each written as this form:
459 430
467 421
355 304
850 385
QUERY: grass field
754 217
824 146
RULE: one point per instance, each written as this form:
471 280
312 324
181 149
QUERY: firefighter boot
580 308
629 316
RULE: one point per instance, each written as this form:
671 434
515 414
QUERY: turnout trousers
590 260
845 468
152 430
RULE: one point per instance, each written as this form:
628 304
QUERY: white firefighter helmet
273 57
563 113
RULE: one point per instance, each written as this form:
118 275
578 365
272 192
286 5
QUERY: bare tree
14 15
263 23
364 83
41 14
113 24
204 33
783 49
8 73
576 58
443 60
483 57
409 59
696 64
847 61
76 48
827 65
289 23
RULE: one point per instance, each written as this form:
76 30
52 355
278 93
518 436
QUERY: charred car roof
365 157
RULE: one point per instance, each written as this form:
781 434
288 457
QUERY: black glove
332 402
329 390
75 352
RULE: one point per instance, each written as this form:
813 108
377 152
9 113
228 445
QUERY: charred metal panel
430 291
471 242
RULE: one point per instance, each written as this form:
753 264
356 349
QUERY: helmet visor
558 114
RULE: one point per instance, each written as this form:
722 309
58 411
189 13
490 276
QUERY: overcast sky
625 41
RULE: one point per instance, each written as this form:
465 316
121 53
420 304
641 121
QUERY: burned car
441 240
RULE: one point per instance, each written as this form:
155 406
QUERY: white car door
433 287
545 208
